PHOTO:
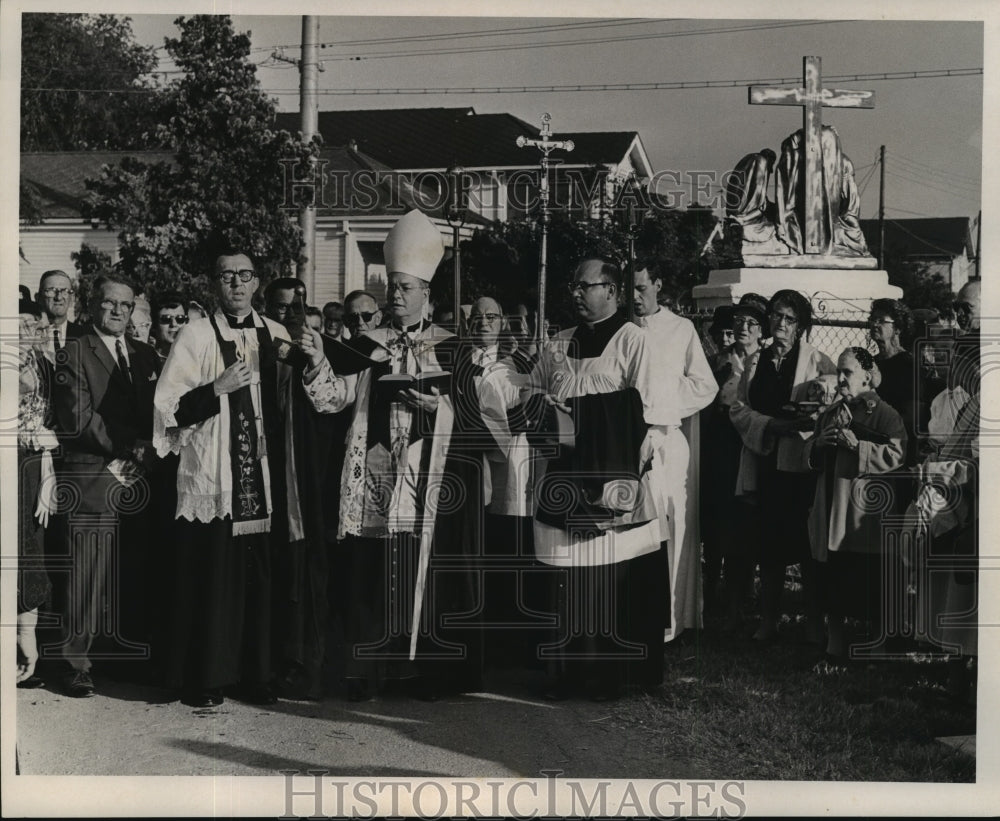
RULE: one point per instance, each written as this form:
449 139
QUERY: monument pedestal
857 288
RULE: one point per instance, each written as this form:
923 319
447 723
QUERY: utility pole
881 207
979 245
309 109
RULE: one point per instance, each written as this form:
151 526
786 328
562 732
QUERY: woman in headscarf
773 427
857 438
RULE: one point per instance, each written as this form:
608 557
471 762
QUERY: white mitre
414 247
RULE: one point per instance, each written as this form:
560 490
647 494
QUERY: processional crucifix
546 146
812 97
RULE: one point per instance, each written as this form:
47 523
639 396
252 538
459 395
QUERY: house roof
58 176
438 138
931 237
355 183
599 146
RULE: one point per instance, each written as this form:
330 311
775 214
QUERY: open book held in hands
421 382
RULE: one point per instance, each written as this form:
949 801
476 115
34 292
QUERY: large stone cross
812 97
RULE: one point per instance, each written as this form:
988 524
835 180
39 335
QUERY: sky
931 127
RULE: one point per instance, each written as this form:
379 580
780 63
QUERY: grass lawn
736 710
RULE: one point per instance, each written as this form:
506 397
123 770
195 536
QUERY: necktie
55 337
122 361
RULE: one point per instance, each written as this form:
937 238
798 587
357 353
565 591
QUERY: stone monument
809 238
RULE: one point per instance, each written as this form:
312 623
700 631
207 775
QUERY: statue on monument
758 228
840 227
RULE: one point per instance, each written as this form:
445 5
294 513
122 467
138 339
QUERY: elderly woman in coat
773 427
857 438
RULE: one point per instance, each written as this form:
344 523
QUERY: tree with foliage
85 83
225 184
91 262
922 287
674 238
502 260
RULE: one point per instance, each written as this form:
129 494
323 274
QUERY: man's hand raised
236 376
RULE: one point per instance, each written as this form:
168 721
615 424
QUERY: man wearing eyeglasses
596 506
170 314
223 404
55 295
407 502
361 313
103 403
686 385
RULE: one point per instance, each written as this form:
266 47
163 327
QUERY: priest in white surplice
599 515
685 384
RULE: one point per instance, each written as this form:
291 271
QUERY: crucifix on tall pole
458 205
813 98
546 145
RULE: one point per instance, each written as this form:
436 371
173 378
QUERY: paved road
508 732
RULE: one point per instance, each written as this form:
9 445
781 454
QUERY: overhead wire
942 177
916 180
395 54
651 86
932 169
555 28
920 239
906 211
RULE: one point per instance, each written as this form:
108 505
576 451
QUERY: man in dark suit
55 294
103 402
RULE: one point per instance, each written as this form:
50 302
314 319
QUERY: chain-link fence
832 331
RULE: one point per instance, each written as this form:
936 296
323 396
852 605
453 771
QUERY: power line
905 211
936 184
594 41
931 170
679 85
921 239
465 35
655 86
924 183
958 185
868 178
554 27
575 25
498 32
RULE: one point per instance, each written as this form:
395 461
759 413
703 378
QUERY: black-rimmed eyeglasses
229 277
585 286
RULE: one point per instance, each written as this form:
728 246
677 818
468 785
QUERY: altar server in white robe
685 385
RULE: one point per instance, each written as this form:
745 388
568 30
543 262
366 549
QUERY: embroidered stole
251 513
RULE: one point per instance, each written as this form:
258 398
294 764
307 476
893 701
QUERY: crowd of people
272 500
863 473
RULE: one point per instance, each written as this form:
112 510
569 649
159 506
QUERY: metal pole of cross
457 210
546 145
